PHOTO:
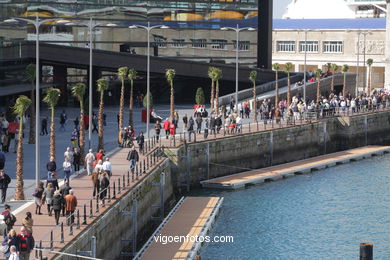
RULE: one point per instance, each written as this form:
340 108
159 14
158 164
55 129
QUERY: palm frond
78 91
102 85
21 105
122 73
52 97
132 74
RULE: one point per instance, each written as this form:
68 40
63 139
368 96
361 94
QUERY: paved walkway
83 189
239 180
191 218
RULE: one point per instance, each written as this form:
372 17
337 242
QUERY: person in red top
172 129
86 121
99 155
24 244
166 126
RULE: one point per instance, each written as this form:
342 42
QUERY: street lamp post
237 30
148 28
364 33
357 65
305 69
37 23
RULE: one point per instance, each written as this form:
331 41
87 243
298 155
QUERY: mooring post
366 251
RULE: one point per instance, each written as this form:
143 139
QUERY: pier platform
192 216
273 173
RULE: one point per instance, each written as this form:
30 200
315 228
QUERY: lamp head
12 20
62 21
111 25
224 29
164 27
133 26
251 29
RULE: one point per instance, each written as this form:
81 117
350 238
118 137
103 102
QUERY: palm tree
122 74
78 91
334 68
102 86
288 67
30 72
170 75
369 64
328 67
276 68
217 76
51 98
318 77
344 69
20 107
132 75
252 78
211 72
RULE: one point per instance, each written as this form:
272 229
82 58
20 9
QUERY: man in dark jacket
4 181
212 125
2 160
133 157
199 121
64 190
185 121
51 167
57 203
141 141
190 128
24 243
44 126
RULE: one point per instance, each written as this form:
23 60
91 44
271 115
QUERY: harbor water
322 215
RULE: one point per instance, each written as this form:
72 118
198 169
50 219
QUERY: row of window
216 44
310 46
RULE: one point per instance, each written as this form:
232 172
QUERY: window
285 46
199 43
242 45
160 41
218 44
311 46
178 43
333 47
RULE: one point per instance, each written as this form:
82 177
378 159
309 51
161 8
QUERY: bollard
114 191
144 171
90 209
119 185
104 201
180 137
366 251
97 203
195 137
36 252
51 239
85 215
71 229
137 167
257 125
174 141
249 127
132 176
40 251
272 124
109 193
128 178
123 182
78 219
62 233
147 162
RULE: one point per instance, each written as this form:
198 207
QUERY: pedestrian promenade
49 236
277 172
191 218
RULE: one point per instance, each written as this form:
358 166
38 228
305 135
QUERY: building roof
318 9
364 23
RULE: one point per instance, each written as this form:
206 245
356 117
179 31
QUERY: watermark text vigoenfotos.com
194 239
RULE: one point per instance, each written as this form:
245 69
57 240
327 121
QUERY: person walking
13 253
57 204
2 160
71 204
107 167
157 129
28 223
94 123
65 189
63 118
99 155
199 121
48 195
141 142
67 166
76 159
53 180
133 157
10 240
25 243
74 137
44 126
69 154
166 127
96 183
8 218
5 180
51 167
185 121
38 194
104 183
190 128
89 159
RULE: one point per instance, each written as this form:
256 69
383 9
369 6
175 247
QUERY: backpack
9 219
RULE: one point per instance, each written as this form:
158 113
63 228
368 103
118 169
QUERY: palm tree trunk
31 138
121 110
101 131
318 89
369 80
332 84
82 133
212 97
52 135
254 103
172 101
19 191
288 89
344 84
216 97
131 103
276 89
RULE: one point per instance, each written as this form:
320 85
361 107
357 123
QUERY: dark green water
322 215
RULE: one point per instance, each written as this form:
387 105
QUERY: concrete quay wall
112 225
234 154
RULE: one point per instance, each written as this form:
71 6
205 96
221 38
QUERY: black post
85 215
71 229
109 193
144 166
78 219
128 178
366 251
137 170
132 176
62 233
119 185
264 34
51 239
114 195
90 209
123 182
40 251
97 203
